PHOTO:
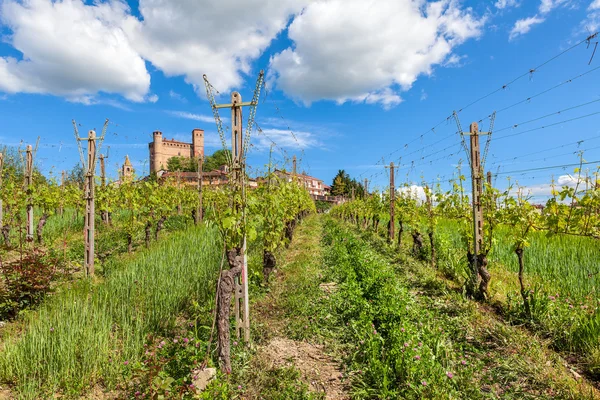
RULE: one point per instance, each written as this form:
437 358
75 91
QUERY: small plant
26 281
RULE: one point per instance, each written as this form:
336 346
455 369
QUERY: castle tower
197 142
127 170
155 148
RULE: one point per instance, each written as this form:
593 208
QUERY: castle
163 149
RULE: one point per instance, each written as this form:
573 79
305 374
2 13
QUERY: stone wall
162 149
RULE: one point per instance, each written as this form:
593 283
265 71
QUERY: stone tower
197 143
161 149
127 170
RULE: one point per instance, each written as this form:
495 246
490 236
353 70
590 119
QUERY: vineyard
424 275
400 303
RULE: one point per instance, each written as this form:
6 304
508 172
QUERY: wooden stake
392 230
102 171
1 168
242 307
294 167
89 191
199 210
28 184
476 182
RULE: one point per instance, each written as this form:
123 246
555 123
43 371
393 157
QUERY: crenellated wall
162 149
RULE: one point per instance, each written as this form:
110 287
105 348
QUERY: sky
349 84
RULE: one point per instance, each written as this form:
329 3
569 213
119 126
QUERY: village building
161 149
127 170
217 177
315 186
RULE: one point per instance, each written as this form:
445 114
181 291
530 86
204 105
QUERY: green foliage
76 176
216 160
183 164
342 185
26 281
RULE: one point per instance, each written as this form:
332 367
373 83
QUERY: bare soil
319 371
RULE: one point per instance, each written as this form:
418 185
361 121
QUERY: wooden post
199 209
1 168
102 170
242 306
28 184
89 204
392 204
61 208
294 167
366 186
352 194
476 182
489 178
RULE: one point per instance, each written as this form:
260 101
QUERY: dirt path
280 346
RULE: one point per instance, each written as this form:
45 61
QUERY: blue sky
358 83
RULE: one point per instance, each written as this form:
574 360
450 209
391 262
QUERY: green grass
411 336
87 333
566 264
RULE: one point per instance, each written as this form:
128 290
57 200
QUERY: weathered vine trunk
289 231
40 227
417 243
269 264
524 293
477 287
129 243
400 231
432 243
148 230
159 226
6 235
226 288
104 217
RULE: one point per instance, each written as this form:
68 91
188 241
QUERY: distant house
315 186
217 177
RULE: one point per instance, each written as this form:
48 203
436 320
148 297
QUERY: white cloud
176 96
523 26
592 21
192 116
501 4
76 50
386 97
355 50
414 191
548 5
71 50
284 139
196 37
545 189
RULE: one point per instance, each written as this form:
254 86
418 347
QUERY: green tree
76 176
216 160
342 185
182 164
